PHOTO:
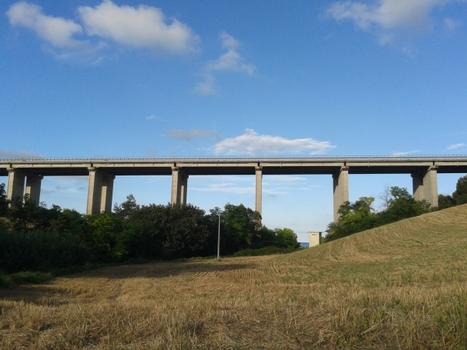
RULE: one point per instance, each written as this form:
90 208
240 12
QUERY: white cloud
285 179
152 117
226 187
230 61
138 27
251 143
404 153
386 17
66 185
451 24
456 146
207 86
89 38
233 188
190 135
273 186
56 31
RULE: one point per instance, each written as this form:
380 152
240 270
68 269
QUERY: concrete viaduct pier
25 176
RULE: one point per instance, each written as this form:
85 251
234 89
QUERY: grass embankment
403 285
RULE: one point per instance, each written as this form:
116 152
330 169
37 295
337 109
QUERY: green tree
460 194
286 238
360 215
144 231
127 208
25 215
402 205
241 228
187 233
70 221
353 218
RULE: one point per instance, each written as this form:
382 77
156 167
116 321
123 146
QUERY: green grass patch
27 277
24 277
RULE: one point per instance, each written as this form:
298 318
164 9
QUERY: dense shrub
157 231
445 201
144 232
187 233
40 251
69 221
104 239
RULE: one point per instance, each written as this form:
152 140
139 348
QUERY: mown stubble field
400 286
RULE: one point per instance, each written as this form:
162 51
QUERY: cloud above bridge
251 143
137 27
99 28
190 135
56 31
404 153
387 18
230 61
456 146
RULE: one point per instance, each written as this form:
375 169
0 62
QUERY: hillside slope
403 285
435 239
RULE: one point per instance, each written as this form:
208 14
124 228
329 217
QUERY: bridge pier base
179 190
100 192
259 190
425 186
340 190
33 188
15 189
183 188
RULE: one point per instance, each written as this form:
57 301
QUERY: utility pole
219 237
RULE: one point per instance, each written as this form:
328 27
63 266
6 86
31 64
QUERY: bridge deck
234 166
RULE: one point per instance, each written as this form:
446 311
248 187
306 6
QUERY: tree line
40 238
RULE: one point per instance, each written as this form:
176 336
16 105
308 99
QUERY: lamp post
219 237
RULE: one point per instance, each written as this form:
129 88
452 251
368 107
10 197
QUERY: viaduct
25 176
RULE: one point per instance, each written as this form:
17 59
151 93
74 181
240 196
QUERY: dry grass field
402 286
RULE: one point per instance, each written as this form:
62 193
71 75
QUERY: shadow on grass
53 294
162 269
36 294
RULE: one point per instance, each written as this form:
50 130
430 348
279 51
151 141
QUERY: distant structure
314 239
304 244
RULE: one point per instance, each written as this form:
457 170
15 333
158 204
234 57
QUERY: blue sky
234 78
